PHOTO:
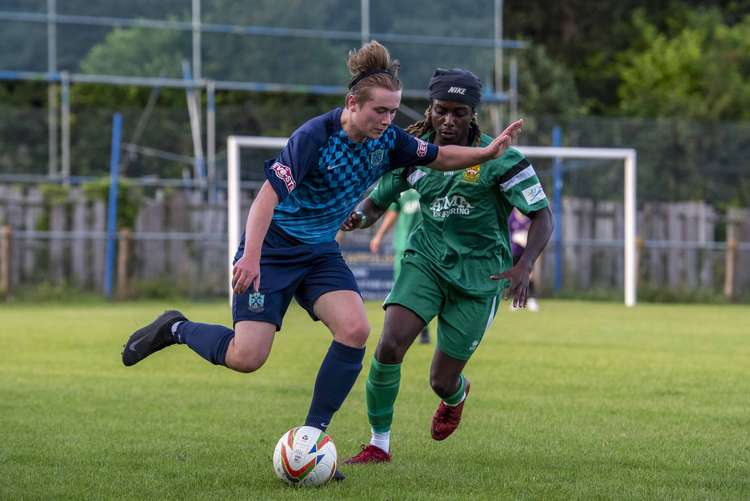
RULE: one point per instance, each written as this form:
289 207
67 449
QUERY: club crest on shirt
256 302
471 174
376 157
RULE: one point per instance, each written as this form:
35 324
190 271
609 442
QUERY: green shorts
462 319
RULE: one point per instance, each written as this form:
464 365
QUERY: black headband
457 85
369 73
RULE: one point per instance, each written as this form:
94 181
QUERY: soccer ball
305 456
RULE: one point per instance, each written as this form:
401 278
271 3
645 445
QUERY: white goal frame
627 155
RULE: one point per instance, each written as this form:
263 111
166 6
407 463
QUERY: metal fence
204 48
266 44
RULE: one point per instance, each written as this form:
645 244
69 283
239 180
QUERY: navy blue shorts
291 269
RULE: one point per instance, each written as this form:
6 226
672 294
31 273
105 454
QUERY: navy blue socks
207 340
336 376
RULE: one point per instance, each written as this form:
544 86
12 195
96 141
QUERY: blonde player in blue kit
289 248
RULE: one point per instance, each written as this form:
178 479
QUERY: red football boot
446 418
370 454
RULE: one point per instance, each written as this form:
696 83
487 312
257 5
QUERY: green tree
700 70
139 52
546 86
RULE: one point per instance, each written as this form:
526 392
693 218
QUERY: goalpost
626 155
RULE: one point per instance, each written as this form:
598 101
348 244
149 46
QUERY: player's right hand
352 222
375 244
246 273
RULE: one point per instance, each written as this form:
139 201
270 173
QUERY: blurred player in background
455 258
404 215
289 248
519 224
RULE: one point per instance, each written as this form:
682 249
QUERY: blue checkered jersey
321 174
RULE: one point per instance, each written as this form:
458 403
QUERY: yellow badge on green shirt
471 174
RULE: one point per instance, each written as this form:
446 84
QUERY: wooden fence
677 247
178 243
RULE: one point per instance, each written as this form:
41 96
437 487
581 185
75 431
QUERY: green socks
457 397
381 390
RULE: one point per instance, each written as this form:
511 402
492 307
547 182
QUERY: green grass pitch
579 401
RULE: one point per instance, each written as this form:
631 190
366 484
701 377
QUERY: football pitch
579 401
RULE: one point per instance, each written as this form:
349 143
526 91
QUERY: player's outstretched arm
366 213
246 270
453 157
518 276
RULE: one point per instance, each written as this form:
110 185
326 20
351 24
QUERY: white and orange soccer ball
305 456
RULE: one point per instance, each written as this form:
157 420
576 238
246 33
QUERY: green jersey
409 216
464 230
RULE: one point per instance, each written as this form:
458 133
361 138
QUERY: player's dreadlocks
423 127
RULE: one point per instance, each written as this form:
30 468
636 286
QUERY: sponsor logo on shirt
534 194
285 174
471 174
376 157
421 148
457 90
448 206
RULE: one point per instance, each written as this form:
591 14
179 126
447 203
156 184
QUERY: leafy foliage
701 70
682 67
129 198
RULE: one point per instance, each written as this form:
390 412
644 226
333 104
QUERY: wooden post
5 244
80 264
57 225
100 244
730 258
639 245
123 258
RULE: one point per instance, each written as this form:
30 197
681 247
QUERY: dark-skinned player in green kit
456 263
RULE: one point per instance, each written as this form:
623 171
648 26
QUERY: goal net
245 154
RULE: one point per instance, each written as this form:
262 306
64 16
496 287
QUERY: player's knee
248 364
355 333
389 351
245 361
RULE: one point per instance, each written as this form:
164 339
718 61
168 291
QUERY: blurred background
114 118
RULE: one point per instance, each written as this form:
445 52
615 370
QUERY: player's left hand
246 274
352 222
518 290
502 142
